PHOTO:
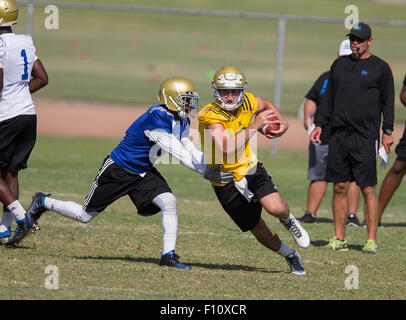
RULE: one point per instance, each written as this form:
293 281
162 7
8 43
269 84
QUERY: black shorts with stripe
246 214
17 139
113 182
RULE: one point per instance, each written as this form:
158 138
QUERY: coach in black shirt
360 89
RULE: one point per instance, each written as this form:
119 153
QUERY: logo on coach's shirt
323 89
364 72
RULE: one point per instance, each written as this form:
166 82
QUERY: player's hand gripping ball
268 128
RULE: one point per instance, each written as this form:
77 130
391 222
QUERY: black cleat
352 221
21 232
308 218
36 209
170 259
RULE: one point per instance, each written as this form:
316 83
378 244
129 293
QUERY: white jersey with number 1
17 56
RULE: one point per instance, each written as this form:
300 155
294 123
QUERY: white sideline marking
14 282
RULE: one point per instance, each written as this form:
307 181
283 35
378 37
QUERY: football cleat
298 233
295 263
21 232
170 259
5 236
337 245
36 209
308 218
352 221
370 247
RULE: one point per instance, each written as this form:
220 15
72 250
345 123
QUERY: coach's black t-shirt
318 94
359 90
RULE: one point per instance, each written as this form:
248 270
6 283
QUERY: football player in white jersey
129 169
21 73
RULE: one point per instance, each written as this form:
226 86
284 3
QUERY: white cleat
298 233
295 263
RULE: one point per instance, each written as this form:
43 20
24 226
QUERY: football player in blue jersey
128 169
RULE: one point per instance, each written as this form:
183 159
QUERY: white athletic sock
284 250
69 209
167 203
17 210
6 221
287 219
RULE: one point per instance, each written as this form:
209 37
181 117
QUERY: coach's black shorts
17 139
352 157
113 182
401 147
246 214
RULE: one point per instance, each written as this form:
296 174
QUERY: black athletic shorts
246 214
401 147
113 182
352 157
17 139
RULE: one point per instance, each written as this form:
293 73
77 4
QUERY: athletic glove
214 174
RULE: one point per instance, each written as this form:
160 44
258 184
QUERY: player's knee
399 167
340 188
368 192
277 207
86 217
166 202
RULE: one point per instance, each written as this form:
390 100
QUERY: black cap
361 30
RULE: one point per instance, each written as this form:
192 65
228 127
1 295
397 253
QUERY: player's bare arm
308 110
39 76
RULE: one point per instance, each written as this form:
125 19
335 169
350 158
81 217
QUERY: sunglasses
356 39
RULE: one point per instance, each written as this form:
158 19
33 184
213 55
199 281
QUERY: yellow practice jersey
241 160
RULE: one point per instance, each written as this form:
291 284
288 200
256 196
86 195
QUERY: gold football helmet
229 78
8 13
179 94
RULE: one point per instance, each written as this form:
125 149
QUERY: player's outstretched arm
39 76
188 155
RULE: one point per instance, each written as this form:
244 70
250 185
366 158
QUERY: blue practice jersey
133 152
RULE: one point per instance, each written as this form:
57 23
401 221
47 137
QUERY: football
266 129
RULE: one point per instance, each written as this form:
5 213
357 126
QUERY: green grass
122 57
115 256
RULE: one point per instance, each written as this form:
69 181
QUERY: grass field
116 255
123 56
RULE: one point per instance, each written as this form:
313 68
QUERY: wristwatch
388 131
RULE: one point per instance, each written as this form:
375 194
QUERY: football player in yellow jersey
226 127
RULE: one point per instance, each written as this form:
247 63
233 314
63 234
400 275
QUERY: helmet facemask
221 100
186 104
